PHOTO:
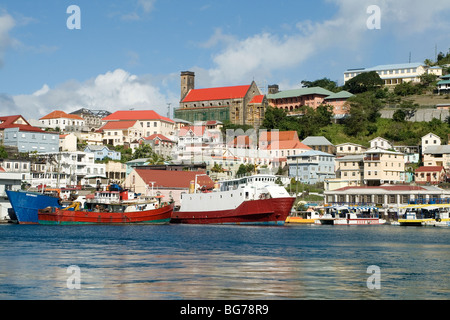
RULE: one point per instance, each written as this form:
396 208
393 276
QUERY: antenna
168 110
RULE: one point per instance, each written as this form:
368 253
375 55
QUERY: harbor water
178 262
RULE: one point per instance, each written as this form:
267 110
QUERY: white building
142 123
60 119
8 181
380 143
394 74
430 140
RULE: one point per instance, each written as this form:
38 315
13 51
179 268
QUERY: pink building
293 100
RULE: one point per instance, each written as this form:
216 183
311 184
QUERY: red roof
257 99
118 125
241 141
174 179
221 93
287 144
11 122
430 169
158 136
196 130
61 114
135 115
280 136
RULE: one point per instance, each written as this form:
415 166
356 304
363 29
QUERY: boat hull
53 216
27 204
350 222
425 222
272 211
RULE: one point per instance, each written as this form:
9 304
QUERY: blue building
311 167
101 152
31 139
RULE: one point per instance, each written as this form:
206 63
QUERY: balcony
372 158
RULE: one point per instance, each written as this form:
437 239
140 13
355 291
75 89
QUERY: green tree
364 110
323 83
143 151
217 168
3 153
366 81
273 118
407 89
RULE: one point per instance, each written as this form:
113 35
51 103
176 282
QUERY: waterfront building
60 119
394 74
311 167
388 198
221 103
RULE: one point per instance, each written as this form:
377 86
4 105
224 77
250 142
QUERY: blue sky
129 53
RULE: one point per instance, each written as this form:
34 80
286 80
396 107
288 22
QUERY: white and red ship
255 200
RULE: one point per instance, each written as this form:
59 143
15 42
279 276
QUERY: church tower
187 83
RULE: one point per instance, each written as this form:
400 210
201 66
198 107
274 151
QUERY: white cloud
260 55
143 7
147 5
112 91
6 24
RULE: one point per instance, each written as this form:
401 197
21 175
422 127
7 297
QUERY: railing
430 201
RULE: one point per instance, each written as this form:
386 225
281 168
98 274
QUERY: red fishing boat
113 206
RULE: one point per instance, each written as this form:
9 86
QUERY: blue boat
26 204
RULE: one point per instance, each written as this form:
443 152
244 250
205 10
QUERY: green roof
340 95
444 82
299 92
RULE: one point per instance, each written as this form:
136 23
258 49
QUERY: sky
129 54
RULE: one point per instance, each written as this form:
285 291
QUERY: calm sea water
223 262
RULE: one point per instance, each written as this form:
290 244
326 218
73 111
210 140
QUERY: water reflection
224 263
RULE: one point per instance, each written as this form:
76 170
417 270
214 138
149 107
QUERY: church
244 104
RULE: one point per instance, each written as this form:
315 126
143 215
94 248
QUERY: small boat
346 215
436 215
252 200
308 217
113 206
